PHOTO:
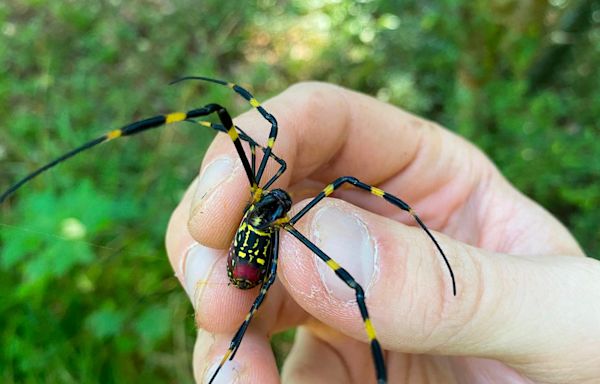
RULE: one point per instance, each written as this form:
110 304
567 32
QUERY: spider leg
379 193
269 280
254 103
253 145
360 300
253 155
143 125
281 162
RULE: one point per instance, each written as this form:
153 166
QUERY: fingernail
213 175
346 239
228 374
196 266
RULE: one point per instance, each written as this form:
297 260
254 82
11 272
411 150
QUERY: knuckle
463 313
439 315
309 87
313 96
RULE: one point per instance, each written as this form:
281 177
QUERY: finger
219 306
178 239
507 308
326 131
311 360
326 358
202 273
253 363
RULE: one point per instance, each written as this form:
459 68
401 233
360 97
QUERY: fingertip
253 363
202 270
178 239
397 267
218 202
311 282
219 306
495 313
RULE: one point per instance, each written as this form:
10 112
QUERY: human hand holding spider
528 302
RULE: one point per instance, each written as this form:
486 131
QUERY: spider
253 256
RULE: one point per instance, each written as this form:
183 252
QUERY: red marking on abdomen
247 272
243 274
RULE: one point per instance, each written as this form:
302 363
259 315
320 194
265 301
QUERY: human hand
528 302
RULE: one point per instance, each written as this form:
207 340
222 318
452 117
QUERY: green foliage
86 292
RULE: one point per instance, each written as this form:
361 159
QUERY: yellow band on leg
175 117
114 134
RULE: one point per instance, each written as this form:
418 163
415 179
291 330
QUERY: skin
528 303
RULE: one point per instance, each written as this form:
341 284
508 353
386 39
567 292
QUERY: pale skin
528 303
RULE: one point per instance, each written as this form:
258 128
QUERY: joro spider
253 255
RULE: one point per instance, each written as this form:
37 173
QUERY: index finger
327 131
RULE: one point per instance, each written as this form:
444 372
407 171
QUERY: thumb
509 308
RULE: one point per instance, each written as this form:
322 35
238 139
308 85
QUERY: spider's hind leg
337 183
345 276
239 335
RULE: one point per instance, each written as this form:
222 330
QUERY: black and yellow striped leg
267 153
254 103
253 156
13 188
267 116
379 193
253 145
233 134
376 350
141 126
239 335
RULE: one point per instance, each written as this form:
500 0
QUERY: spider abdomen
249 256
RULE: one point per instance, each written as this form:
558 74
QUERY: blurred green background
87 294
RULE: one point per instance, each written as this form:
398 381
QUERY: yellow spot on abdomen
255 103
175 117
328 190
246 239
257 231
